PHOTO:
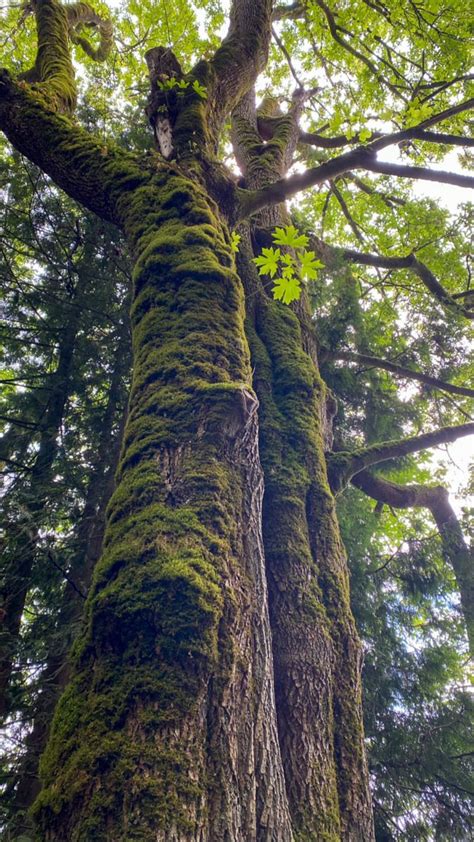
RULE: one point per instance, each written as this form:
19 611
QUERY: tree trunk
88 545
316 649
27 508
167 729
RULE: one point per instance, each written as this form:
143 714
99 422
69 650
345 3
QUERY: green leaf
309 264
199 89
287 289
289 236
234 242
364 135
268 261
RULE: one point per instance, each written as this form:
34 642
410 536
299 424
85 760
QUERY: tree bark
316 650
168 726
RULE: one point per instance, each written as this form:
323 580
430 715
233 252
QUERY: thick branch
360 158
401 371
342 465
81 15
53 70
240 58
454 545
89 171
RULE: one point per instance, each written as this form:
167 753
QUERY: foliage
290 267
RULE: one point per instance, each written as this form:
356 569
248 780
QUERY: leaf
268 261
289 236
309 265
234 242
364 135
167 84
199 89
287 289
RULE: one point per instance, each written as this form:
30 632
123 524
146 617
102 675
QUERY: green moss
308 579
53 66
151 639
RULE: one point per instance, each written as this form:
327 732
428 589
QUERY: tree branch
240 58
413 264
292 12
455 549
81 15
90 172
361 158
401 371
343 465
380 141
53 70
422 173
335 32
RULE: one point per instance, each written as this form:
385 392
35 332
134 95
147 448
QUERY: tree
215 687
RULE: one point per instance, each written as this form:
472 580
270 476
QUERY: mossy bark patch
172 675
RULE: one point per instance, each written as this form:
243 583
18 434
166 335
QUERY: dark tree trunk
27 511
88 544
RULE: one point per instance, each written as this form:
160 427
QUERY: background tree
171 694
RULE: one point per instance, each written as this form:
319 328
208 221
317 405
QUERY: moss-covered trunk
316 650
167 729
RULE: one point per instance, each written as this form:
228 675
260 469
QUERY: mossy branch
343 465
53 71
455 549
80 16
91 172
57 25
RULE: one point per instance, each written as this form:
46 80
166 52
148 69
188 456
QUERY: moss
53 66
308 581
151 640
339 465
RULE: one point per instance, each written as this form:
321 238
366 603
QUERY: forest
236 397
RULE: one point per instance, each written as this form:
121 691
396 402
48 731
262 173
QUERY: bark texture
178 640
316 650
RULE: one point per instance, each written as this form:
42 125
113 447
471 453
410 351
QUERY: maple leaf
289 236
287 289
268 261
309 264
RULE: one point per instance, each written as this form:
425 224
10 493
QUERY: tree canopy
350 114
